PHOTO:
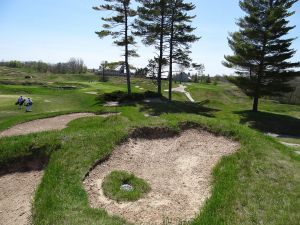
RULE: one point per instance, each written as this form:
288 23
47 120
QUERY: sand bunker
53 123
16 194
178 170
17 186
18 183
181 88
112 104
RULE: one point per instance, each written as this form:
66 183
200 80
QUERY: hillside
294 97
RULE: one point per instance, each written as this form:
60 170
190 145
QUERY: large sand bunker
178 170
52 123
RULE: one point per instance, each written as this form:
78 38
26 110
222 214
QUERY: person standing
28 104
20 102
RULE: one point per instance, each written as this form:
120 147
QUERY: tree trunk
171 55
255 104
126 52
103 73
161 50
259 76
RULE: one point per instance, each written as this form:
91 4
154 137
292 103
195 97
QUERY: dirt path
181 88
53 123
16 195
178 170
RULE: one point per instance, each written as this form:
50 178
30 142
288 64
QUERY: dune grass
259 184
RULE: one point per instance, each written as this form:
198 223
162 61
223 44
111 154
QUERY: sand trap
16 194
181 88
112 104
53 123
17 187
178 170
18 183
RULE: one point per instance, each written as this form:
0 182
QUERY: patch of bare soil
17 188
53 123
177 168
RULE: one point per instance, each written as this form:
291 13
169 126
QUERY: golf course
256 182
138 112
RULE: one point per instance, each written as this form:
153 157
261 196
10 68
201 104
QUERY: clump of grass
112 183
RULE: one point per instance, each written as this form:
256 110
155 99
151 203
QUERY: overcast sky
55 30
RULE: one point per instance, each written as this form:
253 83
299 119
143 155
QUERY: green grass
231 104
259 184
113 181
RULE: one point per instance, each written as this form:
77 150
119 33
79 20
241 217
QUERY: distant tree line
73 66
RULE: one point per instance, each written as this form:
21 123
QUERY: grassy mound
112 183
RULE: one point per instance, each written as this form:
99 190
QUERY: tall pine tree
180 36
118 27
152 26
261 49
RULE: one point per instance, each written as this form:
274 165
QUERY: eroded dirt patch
53 123
178 170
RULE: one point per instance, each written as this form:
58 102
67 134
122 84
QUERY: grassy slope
229 100
258 185
231 105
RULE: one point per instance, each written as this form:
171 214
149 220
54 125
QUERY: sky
56 30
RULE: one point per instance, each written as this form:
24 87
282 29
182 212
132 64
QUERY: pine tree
118 27
261 50
152 26
180 36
